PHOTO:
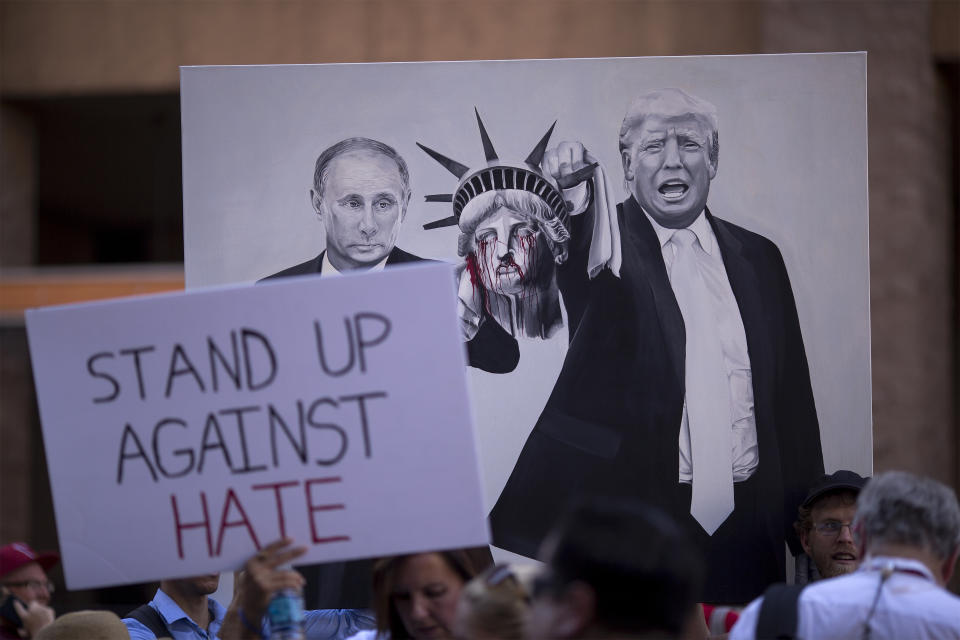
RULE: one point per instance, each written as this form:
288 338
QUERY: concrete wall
118 46
913 259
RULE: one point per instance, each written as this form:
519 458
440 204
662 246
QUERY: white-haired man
907 528
685 383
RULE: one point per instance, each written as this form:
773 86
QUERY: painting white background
793 167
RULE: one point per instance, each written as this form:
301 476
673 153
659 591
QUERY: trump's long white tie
707 390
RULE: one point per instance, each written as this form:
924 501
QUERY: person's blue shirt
331 624
336 624
319 624
179 623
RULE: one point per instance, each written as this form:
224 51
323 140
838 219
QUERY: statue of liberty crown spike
498 175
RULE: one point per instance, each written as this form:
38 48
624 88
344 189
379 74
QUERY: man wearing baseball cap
23 575
823 523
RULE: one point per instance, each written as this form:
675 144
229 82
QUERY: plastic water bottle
285 614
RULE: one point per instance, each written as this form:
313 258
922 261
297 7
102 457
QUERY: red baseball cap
16 554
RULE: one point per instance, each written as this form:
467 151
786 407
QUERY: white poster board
184 430
793 168
789 181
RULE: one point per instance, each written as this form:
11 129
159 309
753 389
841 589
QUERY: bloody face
509 251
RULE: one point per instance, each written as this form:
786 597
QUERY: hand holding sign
260 579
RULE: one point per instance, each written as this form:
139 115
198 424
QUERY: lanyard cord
886 572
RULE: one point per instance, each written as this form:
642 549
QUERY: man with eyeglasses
823 524
25 590
907 528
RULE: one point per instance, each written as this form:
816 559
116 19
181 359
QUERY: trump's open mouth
673 189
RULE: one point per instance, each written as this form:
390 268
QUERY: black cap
841 479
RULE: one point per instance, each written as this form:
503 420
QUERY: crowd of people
882 552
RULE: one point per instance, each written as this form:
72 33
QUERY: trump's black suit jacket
611 425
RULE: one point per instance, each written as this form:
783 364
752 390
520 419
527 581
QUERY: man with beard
907 529
824 520
181 609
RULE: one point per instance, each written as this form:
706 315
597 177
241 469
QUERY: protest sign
183 431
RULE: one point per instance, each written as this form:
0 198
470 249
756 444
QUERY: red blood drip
474 271
475 264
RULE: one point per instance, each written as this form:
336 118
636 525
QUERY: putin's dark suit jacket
396 256
611 424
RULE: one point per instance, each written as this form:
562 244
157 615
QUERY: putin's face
362 205
668 168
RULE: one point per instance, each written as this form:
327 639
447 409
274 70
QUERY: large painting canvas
662 262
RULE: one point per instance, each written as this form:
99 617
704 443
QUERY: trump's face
668 168
362 206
